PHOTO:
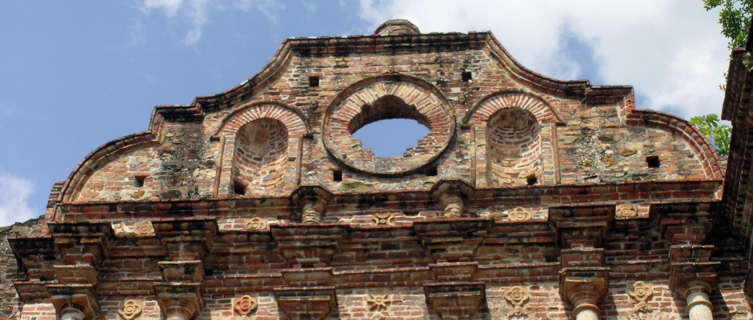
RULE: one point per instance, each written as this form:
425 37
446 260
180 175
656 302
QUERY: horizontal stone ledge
556 194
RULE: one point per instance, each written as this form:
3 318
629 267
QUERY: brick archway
482 112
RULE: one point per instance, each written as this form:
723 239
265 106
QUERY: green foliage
711 128
734 18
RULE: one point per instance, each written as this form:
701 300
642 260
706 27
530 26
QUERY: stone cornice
554 195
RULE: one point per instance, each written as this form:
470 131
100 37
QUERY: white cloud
269 8
14 198
672 52
169 7
311 7
195 14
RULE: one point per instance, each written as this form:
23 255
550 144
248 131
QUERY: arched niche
259 150
260 157
513 148
513 135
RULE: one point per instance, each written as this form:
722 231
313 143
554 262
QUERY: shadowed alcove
513 148
260 156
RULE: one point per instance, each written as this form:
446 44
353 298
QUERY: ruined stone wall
267 207
574 143
178 167
10 305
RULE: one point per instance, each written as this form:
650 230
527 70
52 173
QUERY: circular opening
389 127
391 137
390 116
386 107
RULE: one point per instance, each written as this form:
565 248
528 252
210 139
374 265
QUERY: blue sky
76 74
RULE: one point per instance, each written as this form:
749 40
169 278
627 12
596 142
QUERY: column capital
312 201
688 277
455 299
73 301
694 286
449 196
584 287
178 300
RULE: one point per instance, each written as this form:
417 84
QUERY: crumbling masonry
529 198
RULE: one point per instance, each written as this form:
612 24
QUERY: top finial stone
395 27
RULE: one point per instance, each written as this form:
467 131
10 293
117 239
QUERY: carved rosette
257 224
244 305
380 302
519 214
517 299
383 219
640 292
626 211
130 309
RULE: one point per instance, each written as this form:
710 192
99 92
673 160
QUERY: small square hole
337 175
432 171
467 76
313 81
653 161
239 188
138 180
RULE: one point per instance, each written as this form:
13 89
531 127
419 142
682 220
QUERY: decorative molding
740 315
626 211
245 305
640 292
257 224
383 219
517 297
652 316
131 308
519 214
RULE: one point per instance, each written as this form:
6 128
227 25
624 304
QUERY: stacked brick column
583 277
693 274
188 242
81 247
308 246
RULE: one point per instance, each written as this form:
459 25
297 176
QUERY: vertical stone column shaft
697 300
71 313
175 315
586 312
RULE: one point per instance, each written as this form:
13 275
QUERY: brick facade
529 198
